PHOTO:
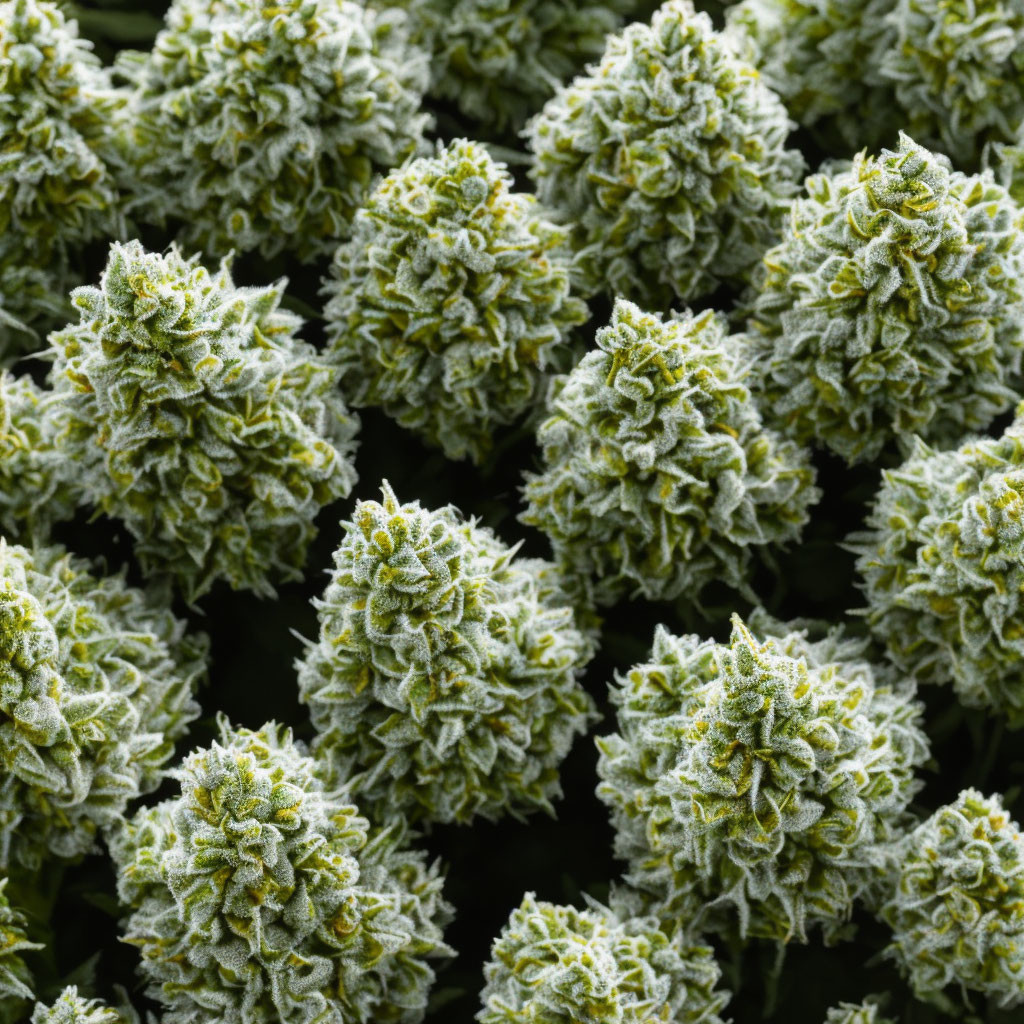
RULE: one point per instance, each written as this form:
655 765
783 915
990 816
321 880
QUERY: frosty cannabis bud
57 188
857 1013
943 567
669 158
35 489
15 980
259 898
755 786
96 686
558 965
820 56
444 683
71 1008
893 304
260 123
957 907
957 71
451 300
199 419
658 475
499 62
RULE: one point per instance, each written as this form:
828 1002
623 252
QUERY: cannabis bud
942 561
58 159
197 417
15 979
668 158
657 475
96 686
258 897
957 905
71 1008
559 965
892 305
451 300
35 485
260 124
756 786
499 62
444 683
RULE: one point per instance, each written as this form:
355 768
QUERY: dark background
490 866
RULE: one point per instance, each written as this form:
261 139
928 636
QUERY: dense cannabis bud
56 179
942 561
957 907
856 1013
35 491
15 980
558 965
198 418
259 898
96 686
260 124
444 684
957 71
893 304
451 300
820 56
948 71
669 159
658 476
71 1008
499 62
756 786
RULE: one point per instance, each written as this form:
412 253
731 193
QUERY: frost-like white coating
194 414
444 684
259 897
667 160
15 979
657 475
756 787
558 965
942 560
894 304
957 905
451 300
36 487
58 126
71 1008
260 124
96 685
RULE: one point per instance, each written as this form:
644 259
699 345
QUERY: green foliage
657 474
96 686
58 122
15 979
1006 161
444 683
755 787
942 560
451 300
892 305
197 417
258 897
957 906
35 491
668 160
558 965
259 124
